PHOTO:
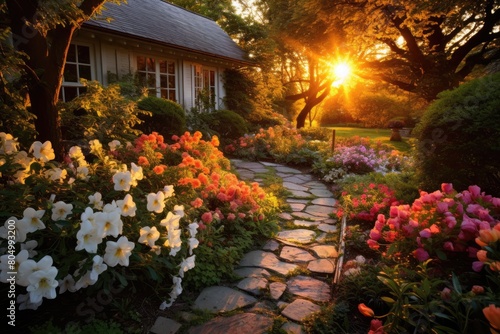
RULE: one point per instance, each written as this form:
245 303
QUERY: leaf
456 283
153 274
441 255
388 300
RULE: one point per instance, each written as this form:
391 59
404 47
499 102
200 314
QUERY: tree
423 46
42 30
306 46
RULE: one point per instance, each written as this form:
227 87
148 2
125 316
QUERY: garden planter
395 134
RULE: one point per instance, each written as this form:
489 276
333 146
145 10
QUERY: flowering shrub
359 155
145 205
438 223
364 201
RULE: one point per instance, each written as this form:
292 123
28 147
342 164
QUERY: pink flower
475 191
373 244
477 266
207 217
425 233
448 245
375 234
421 254
446 294
447 188
393 211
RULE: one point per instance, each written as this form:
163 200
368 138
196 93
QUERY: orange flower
365 310
159 169
143 161
477 289
492 313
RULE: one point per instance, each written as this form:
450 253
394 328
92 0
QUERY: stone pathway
290 276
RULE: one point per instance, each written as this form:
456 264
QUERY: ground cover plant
173 215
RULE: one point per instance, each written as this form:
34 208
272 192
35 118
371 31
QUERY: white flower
67 284
149 235
118 252
96 201
186 265
136 173
32 219
6 267
171 222
75 152
25 303
61 210
28 267
176 288
82 173
156 202
30 246
8 144
122 181
108 223
23 159
193 229
43 152
89 215
56 174
179 210
43 283
95 146
360 259
84 281
127 206
111 207
20 229
87 237
114 144
97 267
168 191
193 243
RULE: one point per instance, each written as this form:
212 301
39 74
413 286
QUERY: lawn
382 135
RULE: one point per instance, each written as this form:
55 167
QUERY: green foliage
167 117
129 85
333 319
226 124
101 113
459 138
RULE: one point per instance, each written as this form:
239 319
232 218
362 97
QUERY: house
175 53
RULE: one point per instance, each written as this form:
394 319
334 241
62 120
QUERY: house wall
117 55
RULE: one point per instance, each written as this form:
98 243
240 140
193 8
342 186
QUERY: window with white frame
79 65
204 88
158 76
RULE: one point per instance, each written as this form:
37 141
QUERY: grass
381 135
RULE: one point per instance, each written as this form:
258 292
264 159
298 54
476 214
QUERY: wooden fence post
333 140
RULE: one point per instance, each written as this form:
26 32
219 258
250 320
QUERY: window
158 76
78 66
204 88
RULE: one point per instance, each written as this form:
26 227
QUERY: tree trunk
301 118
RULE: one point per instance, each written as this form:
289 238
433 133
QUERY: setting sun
341 72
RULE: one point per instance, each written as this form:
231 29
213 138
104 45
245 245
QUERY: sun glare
341 72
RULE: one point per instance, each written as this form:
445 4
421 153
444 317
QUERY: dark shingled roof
167 24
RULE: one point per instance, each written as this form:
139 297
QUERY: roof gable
165 23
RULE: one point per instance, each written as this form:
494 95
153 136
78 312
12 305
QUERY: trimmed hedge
226 124
459 138
168 117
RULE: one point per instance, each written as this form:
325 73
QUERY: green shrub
226 124
101 113
459 138
168 118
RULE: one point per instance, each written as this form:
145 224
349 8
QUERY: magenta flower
421 254
447 188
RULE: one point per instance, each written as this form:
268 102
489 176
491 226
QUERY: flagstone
295 254
164 325
297 206
301 236
294 186
244 323
306 223
316 185
309 288
271 245
285 216
294 179
297 200
326 201
319 210
300 309
327 228
300 193
276 290
306 215
321 266
292 328
269 164
330 221
267 260
250 165
251 272
321 192
222 299
284 169
253 285
325 251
